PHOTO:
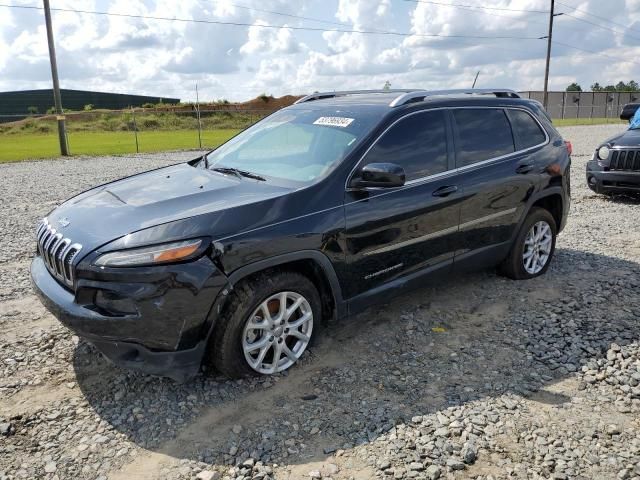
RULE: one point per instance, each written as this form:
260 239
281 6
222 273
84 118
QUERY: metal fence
595 106
134 130
183 127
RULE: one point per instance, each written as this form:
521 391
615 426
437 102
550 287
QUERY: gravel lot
479 377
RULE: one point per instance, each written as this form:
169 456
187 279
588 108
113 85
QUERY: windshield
295 145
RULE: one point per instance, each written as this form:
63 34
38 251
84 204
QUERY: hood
105 213
629 138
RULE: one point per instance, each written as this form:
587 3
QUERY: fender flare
319 258
547 192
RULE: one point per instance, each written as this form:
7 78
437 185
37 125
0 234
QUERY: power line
245 24
371 32
472 7
595 53
483 10
598 25
289 15
584 12
299 17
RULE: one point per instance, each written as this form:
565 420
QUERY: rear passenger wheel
537 247
531 253
267 326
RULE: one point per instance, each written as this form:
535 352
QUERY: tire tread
224 352
511 266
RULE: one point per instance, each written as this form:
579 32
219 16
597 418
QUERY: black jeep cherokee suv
319 210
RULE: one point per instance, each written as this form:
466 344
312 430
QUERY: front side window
418 143
527 130
483 134
295 145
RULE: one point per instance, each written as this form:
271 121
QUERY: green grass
113 134
23 146
570 122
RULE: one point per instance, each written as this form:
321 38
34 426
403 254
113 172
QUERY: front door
392 233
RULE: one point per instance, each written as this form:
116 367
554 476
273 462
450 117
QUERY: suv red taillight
569 147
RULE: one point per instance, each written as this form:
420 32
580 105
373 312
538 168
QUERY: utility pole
62 134
545 100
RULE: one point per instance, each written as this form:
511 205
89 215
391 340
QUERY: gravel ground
477 377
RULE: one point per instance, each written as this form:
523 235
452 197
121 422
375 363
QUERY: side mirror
381 175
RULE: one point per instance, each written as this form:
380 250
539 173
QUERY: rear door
499 171
394 232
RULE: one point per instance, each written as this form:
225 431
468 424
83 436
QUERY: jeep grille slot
57 252
625 160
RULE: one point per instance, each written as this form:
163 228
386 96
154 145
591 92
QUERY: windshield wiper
239 173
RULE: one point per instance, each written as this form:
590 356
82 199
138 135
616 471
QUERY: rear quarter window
526 130
483 134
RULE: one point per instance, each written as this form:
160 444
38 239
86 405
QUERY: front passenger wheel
531 253
267 326
278 332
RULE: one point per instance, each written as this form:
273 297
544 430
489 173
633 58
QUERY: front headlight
154 255
603 152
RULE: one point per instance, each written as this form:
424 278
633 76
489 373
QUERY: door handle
525 168
445 191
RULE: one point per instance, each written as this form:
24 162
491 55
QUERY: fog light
592 180
115 304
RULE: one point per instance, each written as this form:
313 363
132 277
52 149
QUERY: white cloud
161 57
269 40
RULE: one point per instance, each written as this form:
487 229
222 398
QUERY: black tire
225 351
513 266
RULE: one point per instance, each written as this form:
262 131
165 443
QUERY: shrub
88 107
148 105
32 110
150 123
110 124
28 125
51 110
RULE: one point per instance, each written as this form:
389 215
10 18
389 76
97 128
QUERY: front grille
57 252
628 160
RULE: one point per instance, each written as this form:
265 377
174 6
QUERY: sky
424 45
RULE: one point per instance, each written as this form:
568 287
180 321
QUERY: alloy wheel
277 332
537 247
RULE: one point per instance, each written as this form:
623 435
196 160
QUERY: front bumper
604 181
167 321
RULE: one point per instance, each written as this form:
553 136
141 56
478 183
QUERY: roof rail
321 95
420 95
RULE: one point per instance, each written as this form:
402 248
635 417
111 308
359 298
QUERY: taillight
569 146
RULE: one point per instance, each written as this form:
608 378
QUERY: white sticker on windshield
334 121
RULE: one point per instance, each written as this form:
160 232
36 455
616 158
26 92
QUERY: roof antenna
475 79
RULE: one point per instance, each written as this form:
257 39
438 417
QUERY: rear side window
527 131
418 143
483 133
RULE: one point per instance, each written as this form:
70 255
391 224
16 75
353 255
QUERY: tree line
632 86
